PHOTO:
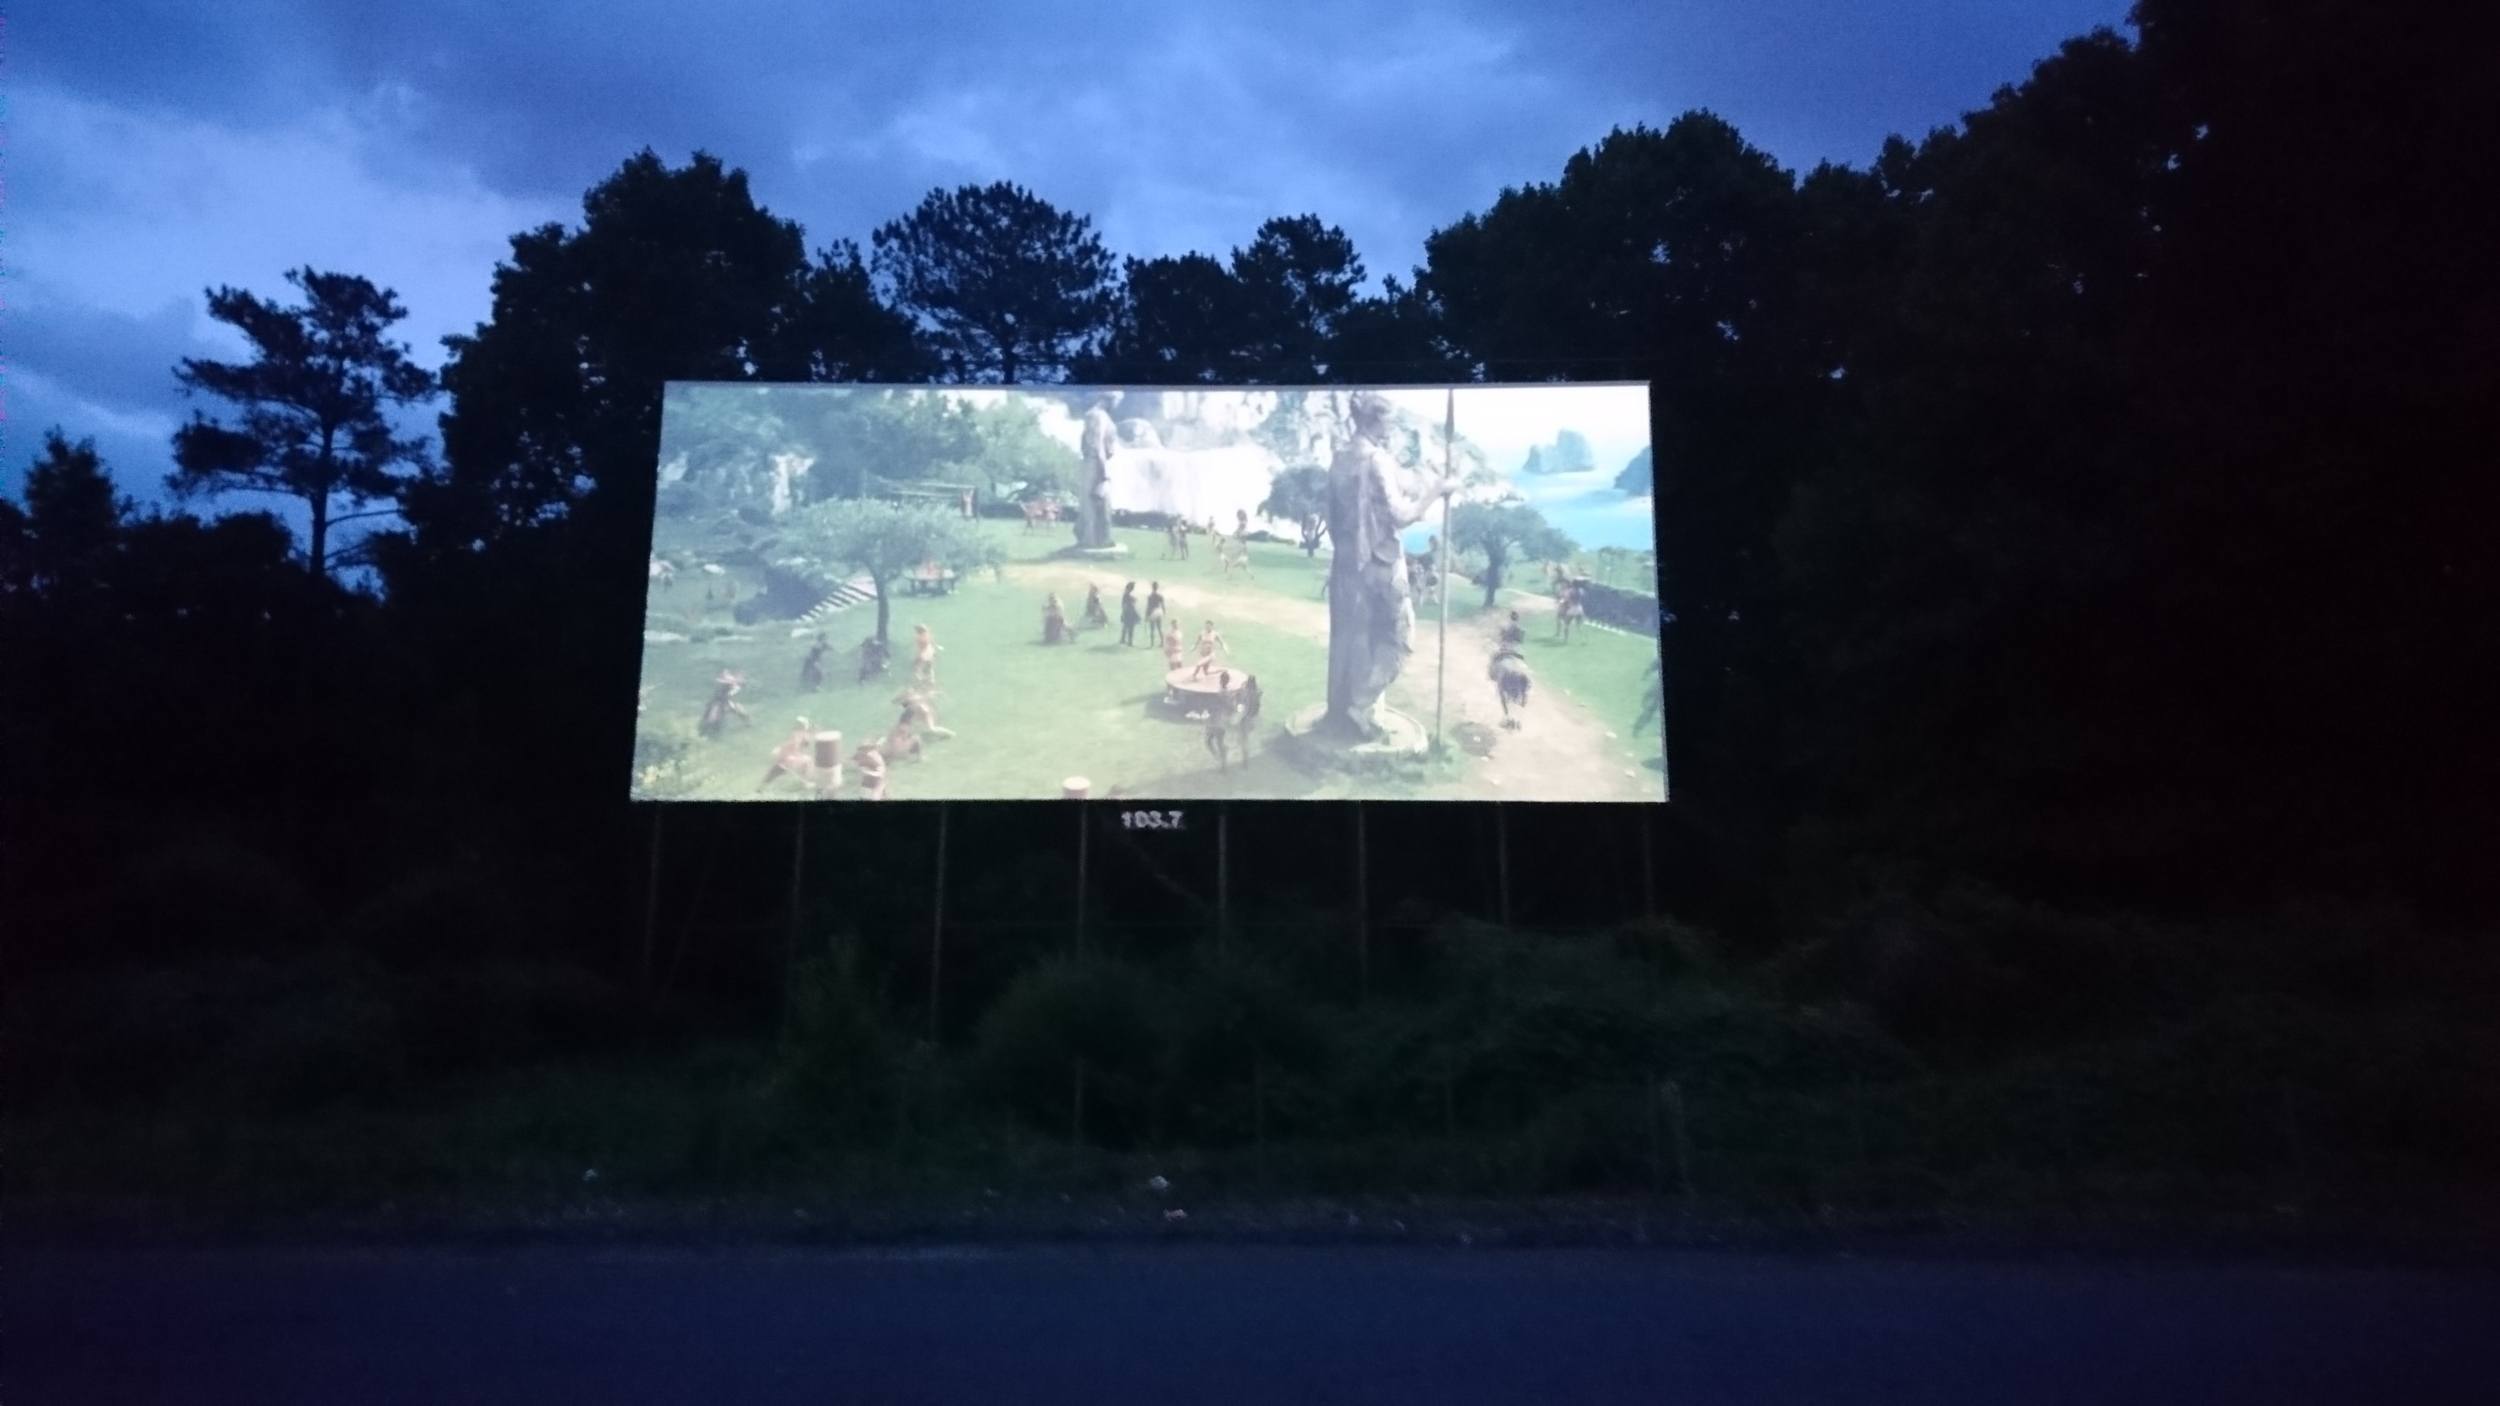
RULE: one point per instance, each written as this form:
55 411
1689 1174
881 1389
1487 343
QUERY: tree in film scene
890 593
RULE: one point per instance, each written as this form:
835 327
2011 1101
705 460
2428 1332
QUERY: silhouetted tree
840 331
1671 256
2319 350
1397 336
508 585
1008 284
72 522
1964 563
2082 498
674 274
1180 320
17 562
316 403
1298 280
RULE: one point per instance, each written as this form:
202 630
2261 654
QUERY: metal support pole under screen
937 926
651 901
1083 835
790 937
1501 861
1362 909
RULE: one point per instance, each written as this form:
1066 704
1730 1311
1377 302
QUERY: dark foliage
2073 516
1006 284
315 404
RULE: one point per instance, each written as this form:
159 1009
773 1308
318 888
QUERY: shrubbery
1508 1063
1079 1024
242 1032
838 1060
210 894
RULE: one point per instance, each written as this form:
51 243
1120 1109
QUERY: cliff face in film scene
1209 454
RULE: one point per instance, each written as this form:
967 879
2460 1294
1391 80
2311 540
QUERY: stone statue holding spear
1371 612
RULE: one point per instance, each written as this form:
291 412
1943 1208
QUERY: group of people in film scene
814 758
1232 550
1201 681
1189 669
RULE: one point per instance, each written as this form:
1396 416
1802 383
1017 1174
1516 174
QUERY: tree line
2069 499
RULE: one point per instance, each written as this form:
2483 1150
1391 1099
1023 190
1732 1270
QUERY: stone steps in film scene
857 591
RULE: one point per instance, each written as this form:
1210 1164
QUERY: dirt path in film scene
1561 752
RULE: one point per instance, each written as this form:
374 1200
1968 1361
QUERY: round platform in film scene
1190 692
1400 736
1075 788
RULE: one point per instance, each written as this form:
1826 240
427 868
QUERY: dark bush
838 1059
1071 1013
458 1019
1521 1026
211 896
247 1032
1249 1055
1973 973
434 914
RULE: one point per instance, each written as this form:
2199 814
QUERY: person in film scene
1246 712
870 762
794 757
724 704
1220 720
1209 645
920 710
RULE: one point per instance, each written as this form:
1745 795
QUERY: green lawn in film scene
789 504
1027 715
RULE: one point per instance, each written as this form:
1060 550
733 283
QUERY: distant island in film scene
1007 593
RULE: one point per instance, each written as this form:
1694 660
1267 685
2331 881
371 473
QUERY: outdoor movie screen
1037 593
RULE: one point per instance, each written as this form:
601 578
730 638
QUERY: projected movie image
1013 593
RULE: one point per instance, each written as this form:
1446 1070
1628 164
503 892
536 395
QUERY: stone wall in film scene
1625 610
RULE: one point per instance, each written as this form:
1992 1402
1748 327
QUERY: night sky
157 147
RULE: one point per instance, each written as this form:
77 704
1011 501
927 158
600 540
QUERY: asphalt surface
1209 1324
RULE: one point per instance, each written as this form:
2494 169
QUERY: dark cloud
98 374
136 448
1148 116
105 358
168 56
177 145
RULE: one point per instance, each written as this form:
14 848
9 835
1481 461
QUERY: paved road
1208 1325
